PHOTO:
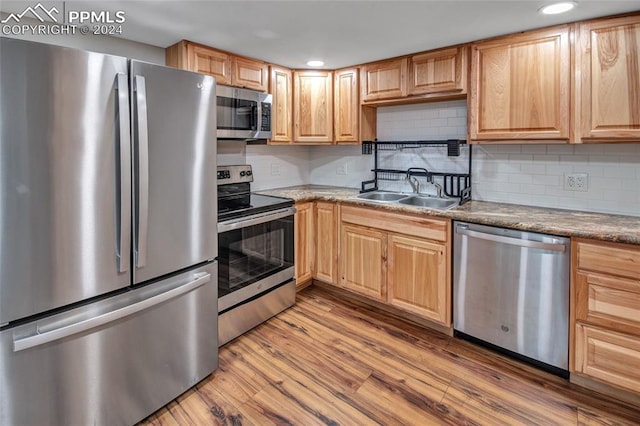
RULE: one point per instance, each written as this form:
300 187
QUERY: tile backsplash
520 174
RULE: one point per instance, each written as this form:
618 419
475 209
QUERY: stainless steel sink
381 196
431 202
408 199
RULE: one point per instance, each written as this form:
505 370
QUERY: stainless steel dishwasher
511 290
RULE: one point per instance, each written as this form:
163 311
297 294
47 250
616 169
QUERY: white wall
102 44
521 174
278 166
534 175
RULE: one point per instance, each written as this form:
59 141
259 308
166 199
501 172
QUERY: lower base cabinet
418 273
606 322
409 271
303 242
363 256
326 245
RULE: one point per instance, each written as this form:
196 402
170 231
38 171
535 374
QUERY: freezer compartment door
174 132
65 177
115 361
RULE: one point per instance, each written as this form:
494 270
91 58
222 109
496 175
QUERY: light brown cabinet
363 261
326 242
608 80
418 276
303 242
313 107
383 80
281 89
438 71
399 259
346 106
227 68
250 73
520 87
606 318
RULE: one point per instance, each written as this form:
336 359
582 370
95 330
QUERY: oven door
256 253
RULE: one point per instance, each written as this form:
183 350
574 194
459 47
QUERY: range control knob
242 174
249 173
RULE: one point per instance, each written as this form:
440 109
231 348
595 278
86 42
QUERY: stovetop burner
236 200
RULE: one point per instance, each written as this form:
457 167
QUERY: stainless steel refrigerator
108 211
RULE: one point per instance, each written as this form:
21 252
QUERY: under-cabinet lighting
555 8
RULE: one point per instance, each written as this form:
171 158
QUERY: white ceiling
341 33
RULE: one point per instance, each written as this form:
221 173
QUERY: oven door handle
256 219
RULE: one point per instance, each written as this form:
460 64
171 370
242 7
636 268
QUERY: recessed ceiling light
315 63
555 8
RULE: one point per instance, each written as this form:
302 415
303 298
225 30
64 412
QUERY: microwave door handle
143 172
124 146
254 118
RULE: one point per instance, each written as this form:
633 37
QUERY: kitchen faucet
415 184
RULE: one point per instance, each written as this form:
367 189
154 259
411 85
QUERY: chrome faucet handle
439 190
415 183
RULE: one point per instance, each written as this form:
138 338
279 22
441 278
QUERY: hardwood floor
328 361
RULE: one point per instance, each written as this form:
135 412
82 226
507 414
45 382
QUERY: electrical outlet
341 169
275 169
576 182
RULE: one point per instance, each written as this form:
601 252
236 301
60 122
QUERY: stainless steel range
256 254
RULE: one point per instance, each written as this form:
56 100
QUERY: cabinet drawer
616 259
611 357
401 223
609 301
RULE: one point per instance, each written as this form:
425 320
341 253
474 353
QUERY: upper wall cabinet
313 107
346 106
520 87
384 80
227 68
281 89
608 80
439 71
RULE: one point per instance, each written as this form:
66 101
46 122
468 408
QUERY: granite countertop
600 226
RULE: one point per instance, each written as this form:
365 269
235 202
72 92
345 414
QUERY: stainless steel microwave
243 114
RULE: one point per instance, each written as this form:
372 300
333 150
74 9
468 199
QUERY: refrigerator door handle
125 173
143 171
88 324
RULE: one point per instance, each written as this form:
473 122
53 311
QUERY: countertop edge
523 217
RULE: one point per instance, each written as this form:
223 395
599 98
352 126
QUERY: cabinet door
211 62
313 106
346 106
438 71
326 265
281 88
520 87
303 241
418 279
608 73
611 357
363 261
384 80
250 74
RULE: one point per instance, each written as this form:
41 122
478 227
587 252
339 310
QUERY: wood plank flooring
331 362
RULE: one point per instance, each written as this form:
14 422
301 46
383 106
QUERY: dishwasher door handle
464 230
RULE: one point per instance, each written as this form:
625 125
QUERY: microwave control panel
266 117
